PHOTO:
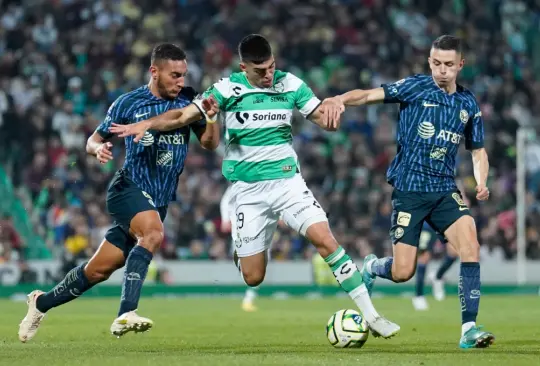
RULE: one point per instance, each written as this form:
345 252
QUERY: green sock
350 280
344 270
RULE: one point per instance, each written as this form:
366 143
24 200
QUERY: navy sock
420 277
382 267
72 286
469 291
445 266
136 269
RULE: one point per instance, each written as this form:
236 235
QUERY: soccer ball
347 329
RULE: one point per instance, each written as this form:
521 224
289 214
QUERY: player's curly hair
167 51
254 48
448 43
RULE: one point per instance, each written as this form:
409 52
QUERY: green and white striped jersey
257 124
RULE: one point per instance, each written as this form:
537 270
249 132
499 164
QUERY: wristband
211 120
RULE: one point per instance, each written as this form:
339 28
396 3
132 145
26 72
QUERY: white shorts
258 206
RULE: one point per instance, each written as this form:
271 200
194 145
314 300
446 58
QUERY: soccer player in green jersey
257 106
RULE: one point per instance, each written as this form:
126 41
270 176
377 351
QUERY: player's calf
148 229
399 268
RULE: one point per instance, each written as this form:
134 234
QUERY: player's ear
154 72
242 66
461 63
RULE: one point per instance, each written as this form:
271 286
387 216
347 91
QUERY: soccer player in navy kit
138 194
435 115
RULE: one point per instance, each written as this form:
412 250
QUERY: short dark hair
448 43
167 51
254 48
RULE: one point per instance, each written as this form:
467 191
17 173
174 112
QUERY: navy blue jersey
431 125
156 162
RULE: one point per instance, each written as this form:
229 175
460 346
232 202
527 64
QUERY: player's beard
164 92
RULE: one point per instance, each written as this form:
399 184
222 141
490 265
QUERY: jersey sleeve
215 91
401 91
115 114
474 131
305 100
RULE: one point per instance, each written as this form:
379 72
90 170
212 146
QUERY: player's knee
152 239
253 278
402 273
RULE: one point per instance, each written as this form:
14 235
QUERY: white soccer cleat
130 322
31 322
438 288
420 303
382 327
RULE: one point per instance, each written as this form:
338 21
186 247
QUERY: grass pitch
215 331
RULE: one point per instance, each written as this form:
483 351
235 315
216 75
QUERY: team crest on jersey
279 87
464 116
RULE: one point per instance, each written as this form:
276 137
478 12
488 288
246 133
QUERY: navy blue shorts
411 209
124 201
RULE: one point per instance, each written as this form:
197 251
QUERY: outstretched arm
175 118
169 120
360 97
327 115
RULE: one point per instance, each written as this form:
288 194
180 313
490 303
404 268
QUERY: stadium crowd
63 62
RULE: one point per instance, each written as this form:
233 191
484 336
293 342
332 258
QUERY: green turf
214 331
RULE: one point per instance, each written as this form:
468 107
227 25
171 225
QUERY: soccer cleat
476 338
437 288
382 327
420 303
31 322
367 277
130 322
248 306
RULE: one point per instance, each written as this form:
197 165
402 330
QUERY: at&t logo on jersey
449 136
171 139
147 139
426 130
